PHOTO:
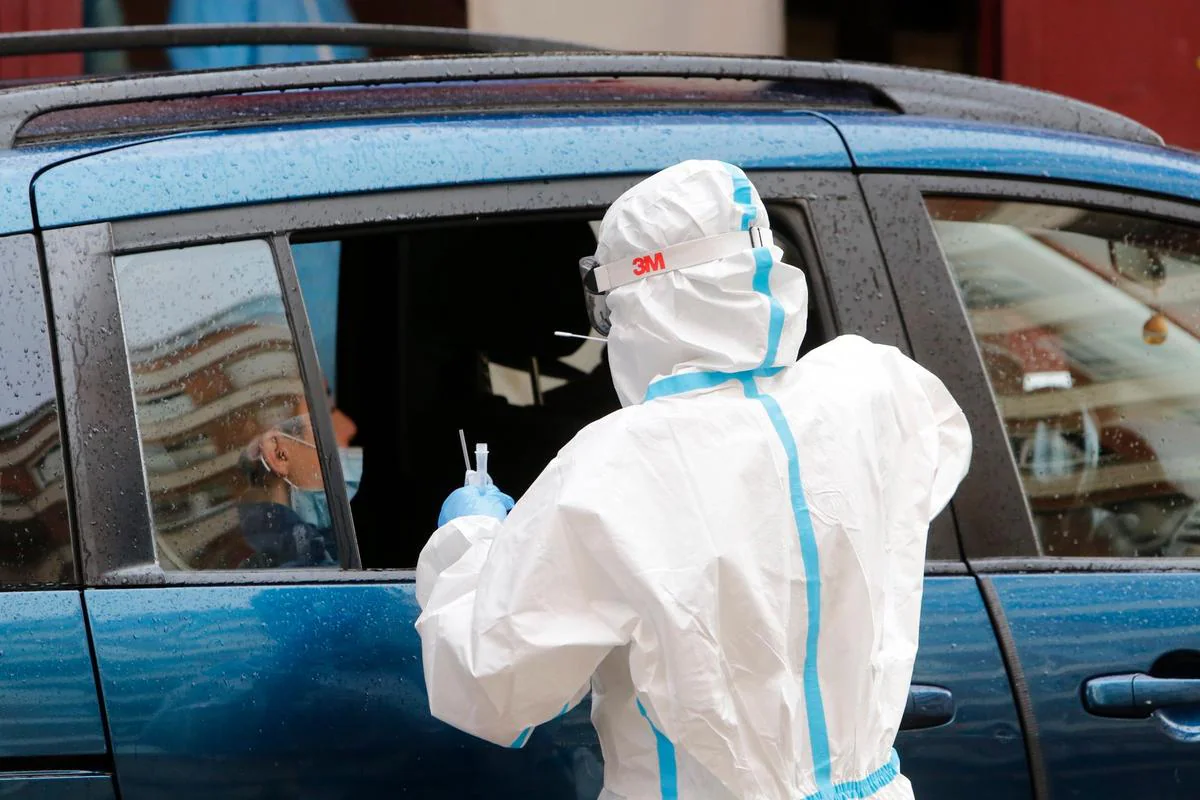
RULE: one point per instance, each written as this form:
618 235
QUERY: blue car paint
959 652
1071 627
291 691
48 704
317 690
57 786
261 165
889 142
19 167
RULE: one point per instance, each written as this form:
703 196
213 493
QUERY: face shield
597 305
600 279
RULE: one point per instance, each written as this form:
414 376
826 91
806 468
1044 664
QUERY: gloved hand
486 501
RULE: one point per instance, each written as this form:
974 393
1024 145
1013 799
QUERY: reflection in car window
1089 326
35 537
230 458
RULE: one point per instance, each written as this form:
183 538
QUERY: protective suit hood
731 315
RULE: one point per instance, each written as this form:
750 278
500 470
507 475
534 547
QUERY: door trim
1020 687
318 403
105 454
105 458
998 566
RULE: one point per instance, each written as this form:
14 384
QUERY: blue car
206 271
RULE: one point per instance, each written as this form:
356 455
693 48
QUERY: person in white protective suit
732 562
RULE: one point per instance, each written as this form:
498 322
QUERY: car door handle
927 707
1138 694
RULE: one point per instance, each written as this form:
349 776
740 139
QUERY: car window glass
1089 327
229 452
35 537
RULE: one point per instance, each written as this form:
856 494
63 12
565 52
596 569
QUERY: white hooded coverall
732 563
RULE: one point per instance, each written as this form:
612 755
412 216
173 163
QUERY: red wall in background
35 15
1138 57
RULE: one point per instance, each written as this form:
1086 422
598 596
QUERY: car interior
451 326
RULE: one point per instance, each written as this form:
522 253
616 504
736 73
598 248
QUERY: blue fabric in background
104 14
199 12
316 264
317 269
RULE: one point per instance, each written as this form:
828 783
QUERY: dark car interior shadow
426 318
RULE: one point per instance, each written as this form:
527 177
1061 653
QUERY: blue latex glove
485 501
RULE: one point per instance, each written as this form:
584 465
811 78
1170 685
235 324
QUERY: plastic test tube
481 464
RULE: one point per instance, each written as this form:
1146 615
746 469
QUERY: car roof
911 144
18 168
889 117
264 165
545 81
538 95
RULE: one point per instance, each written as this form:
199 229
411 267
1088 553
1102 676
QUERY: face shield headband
600 279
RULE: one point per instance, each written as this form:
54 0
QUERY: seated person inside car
284 514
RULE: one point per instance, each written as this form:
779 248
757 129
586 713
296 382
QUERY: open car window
425 331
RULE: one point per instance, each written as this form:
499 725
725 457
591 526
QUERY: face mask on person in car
352 467
311 506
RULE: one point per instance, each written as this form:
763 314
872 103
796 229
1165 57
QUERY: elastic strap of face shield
606 277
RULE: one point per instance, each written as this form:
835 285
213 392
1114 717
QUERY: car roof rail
910 91
415 38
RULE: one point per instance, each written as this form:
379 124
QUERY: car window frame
991 542
22 247
117 537
112 500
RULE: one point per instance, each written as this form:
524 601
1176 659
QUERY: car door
1076 307
960 733
229 669
182 334
52 740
